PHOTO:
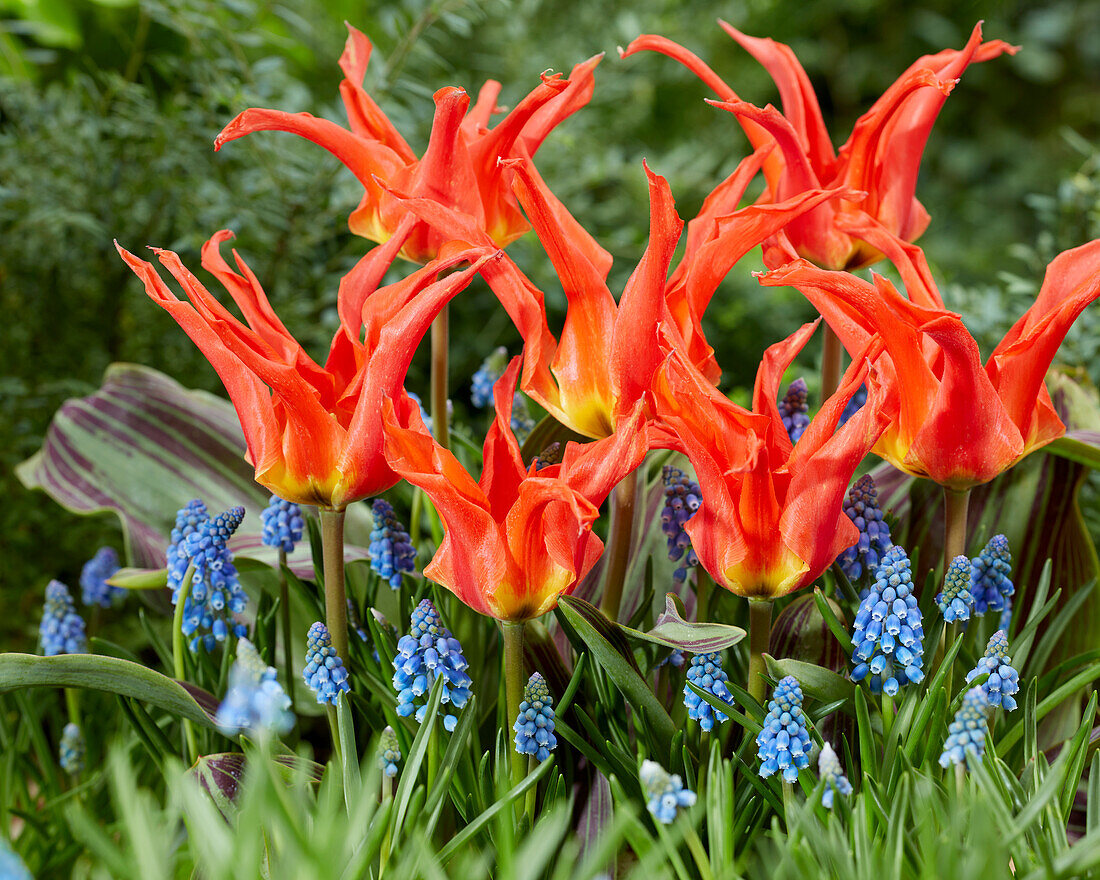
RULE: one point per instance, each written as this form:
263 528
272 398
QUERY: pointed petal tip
621 51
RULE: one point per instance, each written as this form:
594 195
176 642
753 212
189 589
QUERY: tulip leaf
618 667
139 578
816 681
110 674
221 775
672 631
142 446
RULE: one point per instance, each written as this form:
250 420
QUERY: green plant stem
433 755
704 591
955 505
831 356
960 778
760 630
513 685
384 852
72 704
950 633
284 602
532 793
440 333
788 803
334 731
888 715
178 668
698 852
336 604
619 538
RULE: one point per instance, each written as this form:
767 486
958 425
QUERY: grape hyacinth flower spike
534 726
324 671
71 752
990 578
665 794
888 634
966 734
794 410
832 774
62 629
784 743
94 589
390 753
956 599
1004 680
682 500
428 651
283 524
706 673
11 866
255 701
861 506
391 549
491 369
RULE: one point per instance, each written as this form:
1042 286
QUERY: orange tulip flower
314 434
459 167
521 537
773 526
881 157
960 423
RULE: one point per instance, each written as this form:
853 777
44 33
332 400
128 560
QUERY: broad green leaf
672 631
108 674
816 681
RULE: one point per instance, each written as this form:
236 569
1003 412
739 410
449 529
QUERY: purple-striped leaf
672 631
142 446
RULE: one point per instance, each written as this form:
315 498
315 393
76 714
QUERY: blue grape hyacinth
71 751
534 725
491 369
794 410
990 578
429 651
62 629
784 742
832 774
283 524
956 599
682 500
390 753
522 422
665 793
255 701
857 402
861 506
1004 680
94 589
324 671
215 592
706 673
11 866
391 549
966 734
888 634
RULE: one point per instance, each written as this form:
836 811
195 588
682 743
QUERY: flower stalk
620 533
832 353
514 681
760 630
178 668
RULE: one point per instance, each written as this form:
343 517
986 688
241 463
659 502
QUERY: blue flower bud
391 549
832 774
991 581
966 734
665 794
429 651
682 500
956 599
390 753
534 725
255 701
482 382
794 410
62 629
283 524
94 588
861 506
784 742
855 404
706 673
71 757
890 659
1004 680
11 866
324 671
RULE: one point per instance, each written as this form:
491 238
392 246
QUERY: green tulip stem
178 668
831 357
336 603
620 533
513 686
440 334
760 630
284 603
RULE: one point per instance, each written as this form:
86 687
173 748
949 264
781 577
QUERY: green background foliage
108 112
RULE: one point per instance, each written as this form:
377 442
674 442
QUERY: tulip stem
440 334
619 537
284 613
178 668
760 631
955 504
513 686
831 355
336 603
704 590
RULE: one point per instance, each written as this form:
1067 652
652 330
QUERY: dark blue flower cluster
390 752
522 422
832 774
283 524
794 410
888 633
956 599
94 589
534 725
991 581
215 592
62 629
854 405
255 701
665 794
784 742
1004 680
428 651
391 549
71 751
324 671
706 673
966 734
491 369
861 506
682 500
